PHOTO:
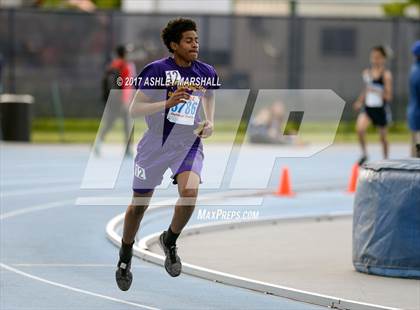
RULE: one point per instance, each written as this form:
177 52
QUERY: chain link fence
61 55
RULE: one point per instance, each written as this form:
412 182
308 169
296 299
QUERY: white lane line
74 265
46 206
74 289
37 181
38 191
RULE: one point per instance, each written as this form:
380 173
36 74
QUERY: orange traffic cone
353 179
285 188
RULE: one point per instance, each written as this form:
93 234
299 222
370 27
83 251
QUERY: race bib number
374 97
184 113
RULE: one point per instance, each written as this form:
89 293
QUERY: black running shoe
362 160
172 262
123 276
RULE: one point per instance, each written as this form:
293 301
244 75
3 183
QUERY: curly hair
174 29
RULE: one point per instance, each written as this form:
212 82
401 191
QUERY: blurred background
57 51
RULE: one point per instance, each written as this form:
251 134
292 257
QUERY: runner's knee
137 210
360 130
189 192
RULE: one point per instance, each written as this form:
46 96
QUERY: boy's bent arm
142 105
388 86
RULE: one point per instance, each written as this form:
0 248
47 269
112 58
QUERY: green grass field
46 130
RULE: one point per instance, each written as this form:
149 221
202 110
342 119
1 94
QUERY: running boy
173 138
373 102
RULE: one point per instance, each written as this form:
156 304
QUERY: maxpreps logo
227 215
318 107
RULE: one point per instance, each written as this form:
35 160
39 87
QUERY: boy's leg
417 140
383 133
133 217
110 116
362 124
415 144
188 183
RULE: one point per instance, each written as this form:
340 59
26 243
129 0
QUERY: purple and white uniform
170 141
